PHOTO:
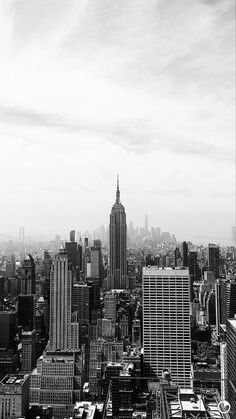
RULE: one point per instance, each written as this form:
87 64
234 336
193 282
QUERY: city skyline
90 90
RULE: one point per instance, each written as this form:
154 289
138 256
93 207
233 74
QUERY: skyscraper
184 254
118 244
60 334
28 276
166 323
214 258
58 377
231 364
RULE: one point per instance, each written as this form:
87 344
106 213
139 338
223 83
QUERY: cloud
90 88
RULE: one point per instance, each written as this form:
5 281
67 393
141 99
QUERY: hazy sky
140 87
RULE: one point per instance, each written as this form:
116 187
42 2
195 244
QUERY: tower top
117 191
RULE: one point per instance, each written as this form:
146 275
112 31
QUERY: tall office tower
28 276
231 364
184 254
110 306
22 235
72 236
166 323
28 340
22 241
27 311
60 330
118 245
214 258
146 224
234 235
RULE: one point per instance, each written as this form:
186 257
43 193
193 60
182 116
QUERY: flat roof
155 270
16 379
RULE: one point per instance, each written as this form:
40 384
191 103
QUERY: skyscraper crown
117 191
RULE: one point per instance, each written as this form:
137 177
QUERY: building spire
117 191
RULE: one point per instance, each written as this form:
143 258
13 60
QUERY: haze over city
91 89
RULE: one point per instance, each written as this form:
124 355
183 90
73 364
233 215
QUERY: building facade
166 323
61 329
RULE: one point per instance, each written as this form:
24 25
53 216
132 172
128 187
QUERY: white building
166 323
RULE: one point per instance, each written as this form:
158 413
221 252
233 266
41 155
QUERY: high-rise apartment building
166 323
61 329
118 278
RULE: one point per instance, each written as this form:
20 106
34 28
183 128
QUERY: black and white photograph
118 209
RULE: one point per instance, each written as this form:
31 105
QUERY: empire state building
118 278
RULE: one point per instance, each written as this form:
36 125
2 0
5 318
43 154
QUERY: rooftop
197 403
16 379
155 270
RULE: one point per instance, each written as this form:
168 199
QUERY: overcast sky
90 88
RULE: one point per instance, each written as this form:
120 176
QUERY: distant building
110 306
166 323
2 292
214 259
28 276
72 236
82 302
184 254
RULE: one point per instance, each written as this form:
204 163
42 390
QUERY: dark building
177 256
83 302
26 311
118 278
231 364
214 259
72 251
8 328
2 292
28 276
72 236
194 270
184 254
8 362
